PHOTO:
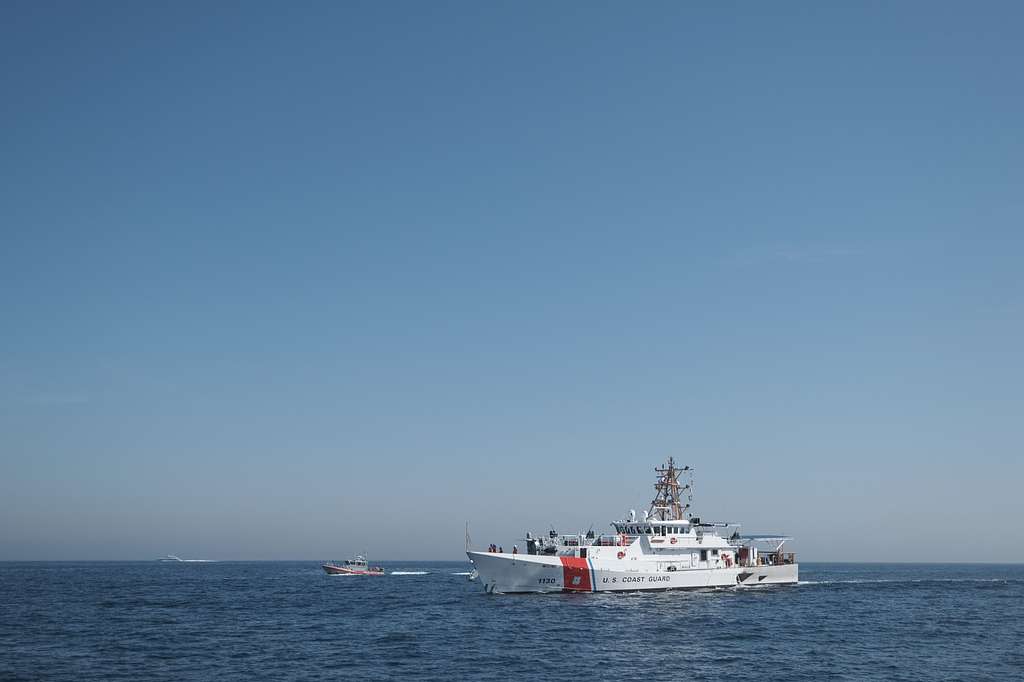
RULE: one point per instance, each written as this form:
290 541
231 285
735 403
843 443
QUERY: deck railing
776 558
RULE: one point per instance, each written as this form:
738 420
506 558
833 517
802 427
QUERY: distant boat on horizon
170 558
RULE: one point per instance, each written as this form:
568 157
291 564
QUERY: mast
667 504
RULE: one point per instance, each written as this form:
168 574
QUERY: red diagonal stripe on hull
573 568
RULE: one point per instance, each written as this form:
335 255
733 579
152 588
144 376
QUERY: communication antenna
667 504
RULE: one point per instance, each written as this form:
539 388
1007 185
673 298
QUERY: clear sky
297 280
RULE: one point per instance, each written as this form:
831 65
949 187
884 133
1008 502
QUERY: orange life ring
673 541
621 554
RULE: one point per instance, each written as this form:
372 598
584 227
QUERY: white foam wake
864 581
464 573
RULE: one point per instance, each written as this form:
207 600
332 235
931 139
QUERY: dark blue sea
426 621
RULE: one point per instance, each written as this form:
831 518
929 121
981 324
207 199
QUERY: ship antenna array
667 504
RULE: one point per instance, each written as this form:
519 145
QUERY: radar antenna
667 504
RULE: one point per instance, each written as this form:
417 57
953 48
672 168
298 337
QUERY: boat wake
172 559
463 573
869 581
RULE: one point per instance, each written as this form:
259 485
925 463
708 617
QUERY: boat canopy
772 542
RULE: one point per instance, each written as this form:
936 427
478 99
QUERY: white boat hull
510 573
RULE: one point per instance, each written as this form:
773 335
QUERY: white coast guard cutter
668 549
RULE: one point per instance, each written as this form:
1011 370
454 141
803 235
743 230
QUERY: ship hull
511 573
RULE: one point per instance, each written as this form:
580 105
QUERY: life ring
673 541
621 554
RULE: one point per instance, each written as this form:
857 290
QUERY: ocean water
426 621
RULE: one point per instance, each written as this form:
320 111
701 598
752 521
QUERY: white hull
507 573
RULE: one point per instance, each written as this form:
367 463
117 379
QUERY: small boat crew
357 566
667 549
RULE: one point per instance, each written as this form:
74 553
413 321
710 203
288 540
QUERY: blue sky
299 281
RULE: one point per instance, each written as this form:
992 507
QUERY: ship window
649 530
703 555
583 552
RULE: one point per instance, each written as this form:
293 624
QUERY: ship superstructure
667 548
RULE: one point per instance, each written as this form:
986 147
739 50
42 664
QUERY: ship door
583 552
